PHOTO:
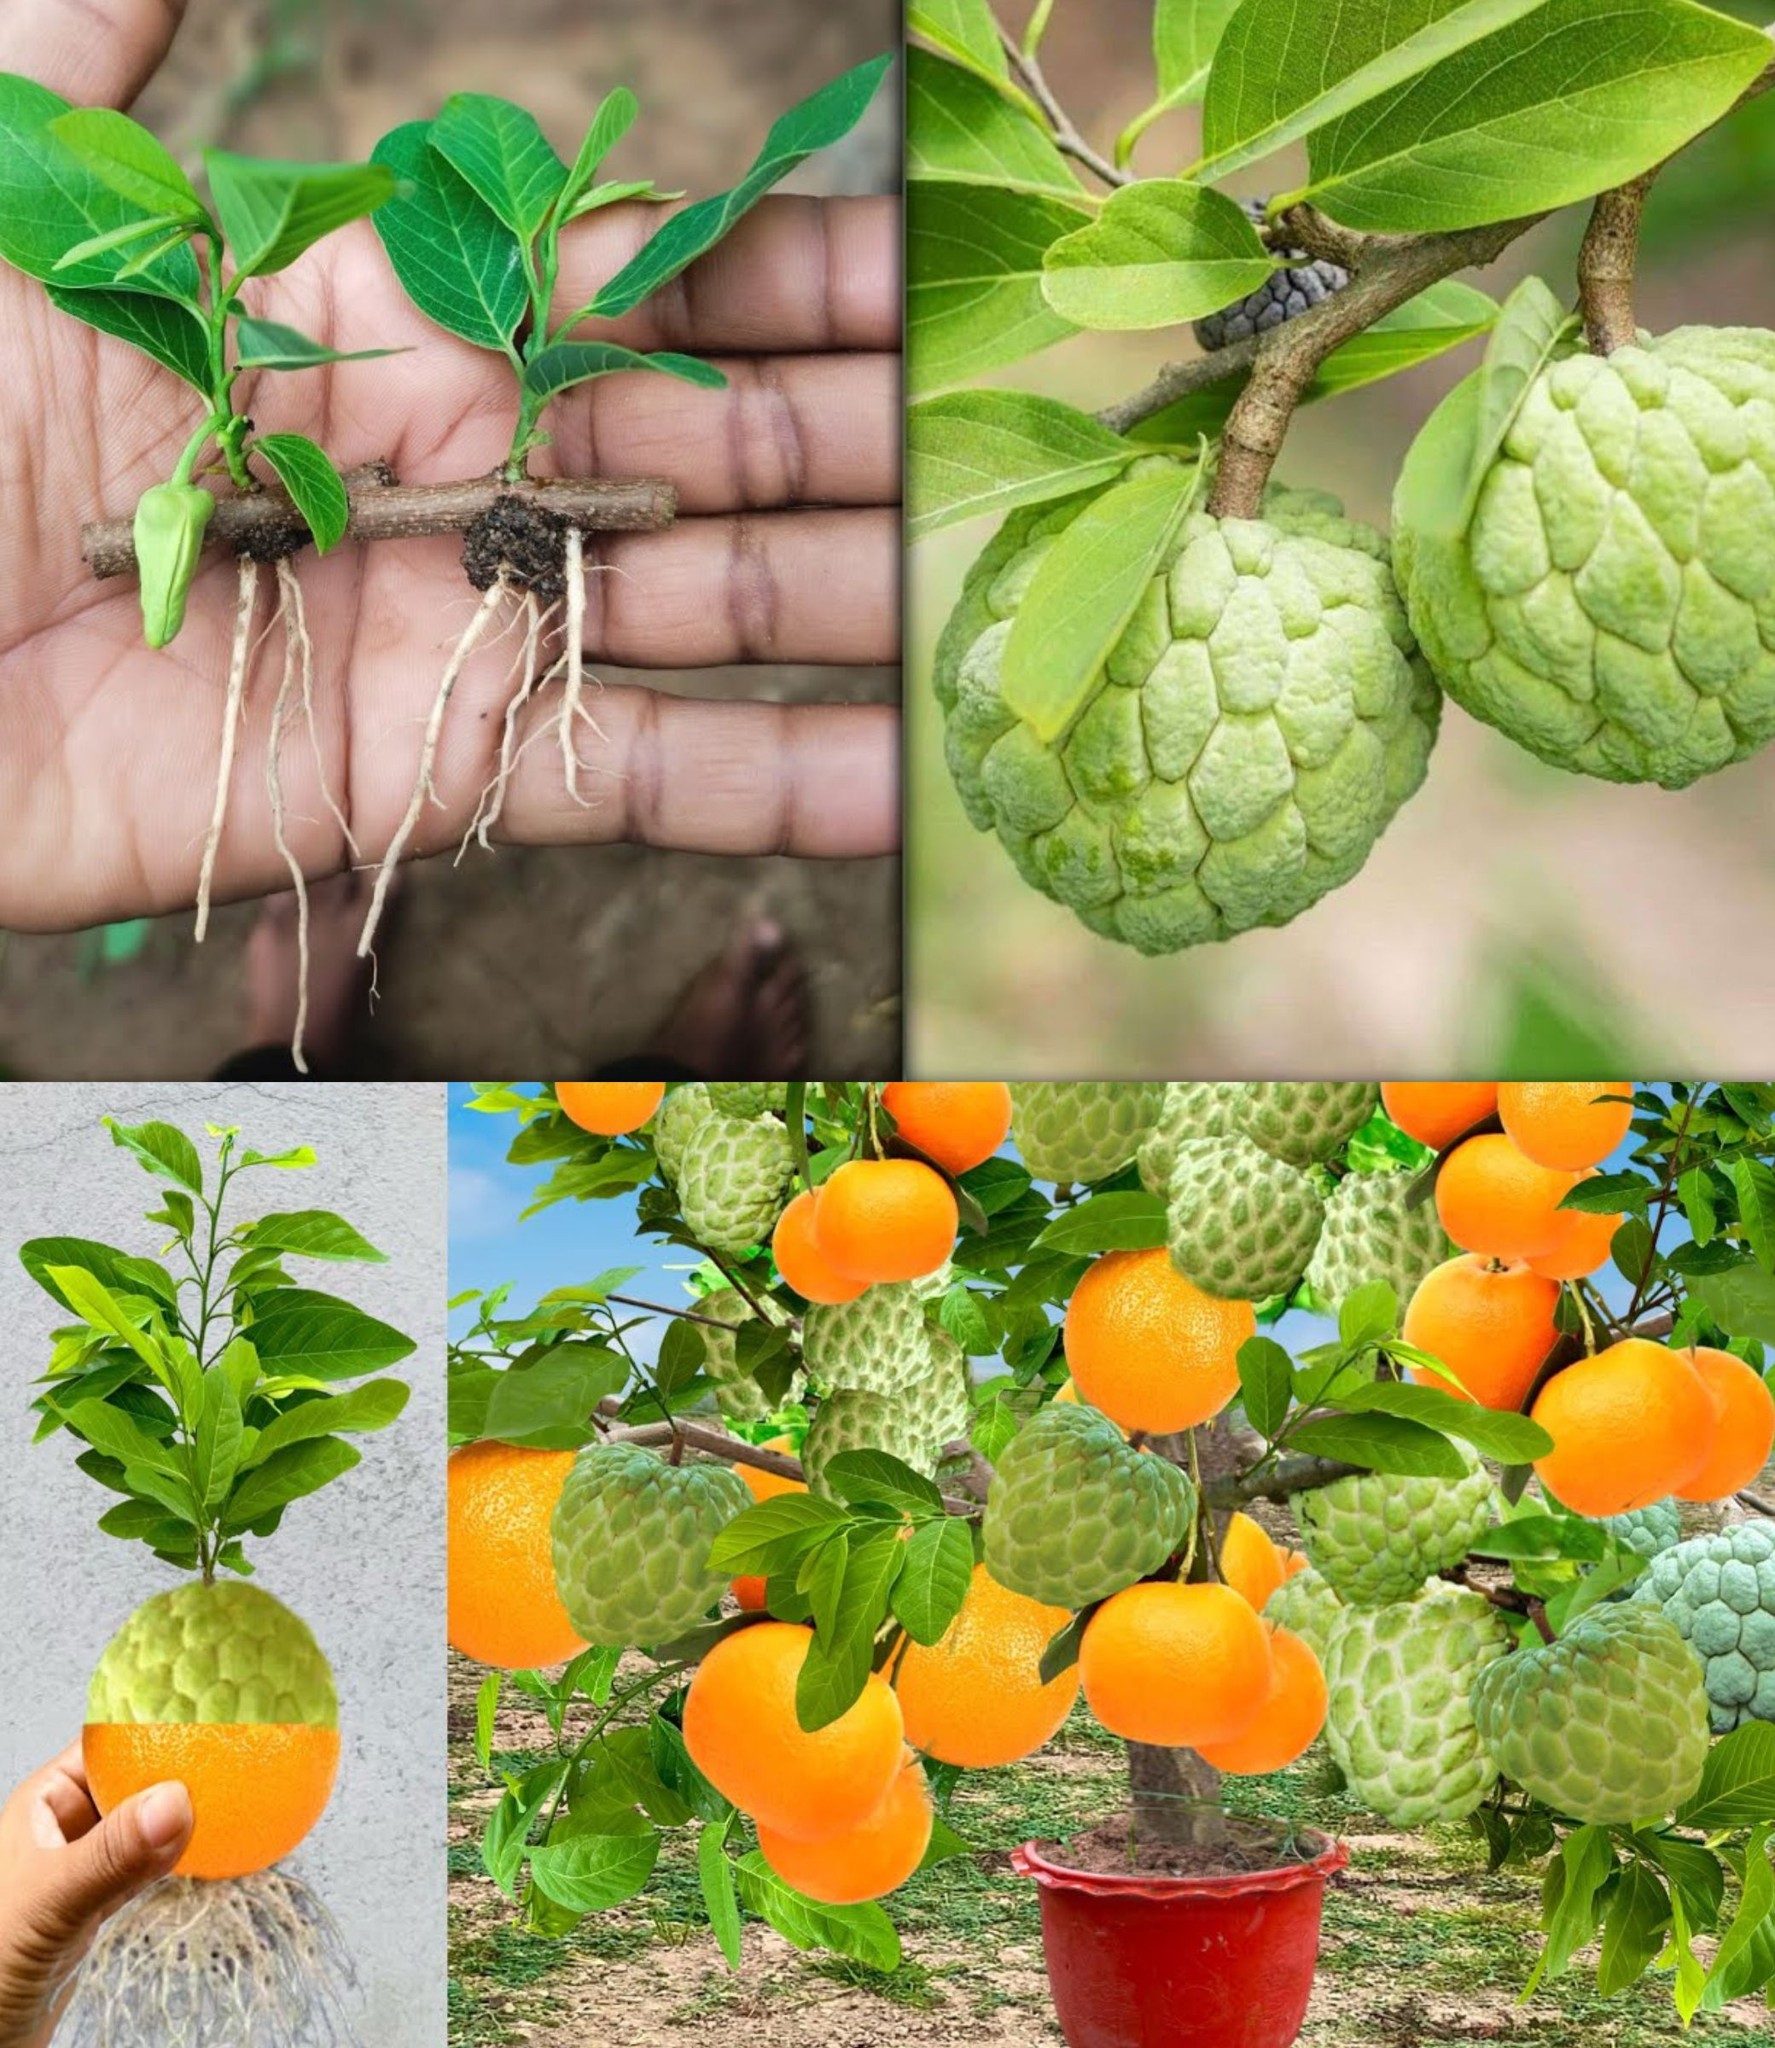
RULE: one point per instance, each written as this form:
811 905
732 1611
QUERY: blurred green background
1513 919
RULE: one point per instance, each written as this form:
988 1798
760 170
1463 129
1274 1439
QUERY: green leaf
1632 1929
163 1149
550 1405
820 120
963 28
720 1893
298 1155
590 1873
486 1718
934 1579
288 1475
861 1477
863 1933
1737 1788
456 259
1383 1443
1746 1954
1586 1858
122 154
318 492
94 1303
1606 1193
271 212
1160 253
612 121
566 363
119 1436
270 345
1266 1382
143 1521
311 1234
960 128
837 1664
125 237
1083 595
1695 1191
975 453
118 1271
614 194
1186 34
372 1406
768 1537
962 1316
1366 1315
1530 325
1755 1185
300 1333
1741 1301
1511 1439
165 329
1122 1222
501 152
974 298
217 1447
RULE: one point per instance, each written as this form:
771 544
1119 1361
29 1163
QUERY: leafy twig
1067 138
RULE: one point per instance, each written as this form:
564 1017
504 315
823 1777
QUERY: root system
237 689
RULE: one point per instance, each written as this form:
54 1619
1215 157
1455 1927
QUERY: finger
129 1848
788 430
93 52
796 274
67 1811
816 780
790 586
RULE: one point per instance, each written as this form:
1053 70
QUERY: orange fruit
1148 1347
795 1245
1491 1325
609 1108
1632 1424
868 1861
256 1787
1744 1425
1582 1244
1288 1720
502 1606
750 1593
1294 1561
1495 1201
1175 1666
886 1219
1249 1562
977 1697
1563 1124
1437 1112
957 1123
767 1485
742 1733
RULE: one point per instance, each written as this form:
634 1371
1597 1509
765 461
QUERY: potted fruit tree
1513 1599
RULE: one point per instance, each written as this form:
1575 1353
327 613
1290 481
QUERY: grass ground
1421 1947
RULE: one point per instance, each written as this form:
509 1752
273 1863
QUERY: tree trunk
1175 1797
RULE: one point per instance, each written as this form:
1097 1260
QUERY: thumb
129 1848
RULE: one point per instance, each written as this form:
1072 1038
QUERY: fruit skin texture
959 1124
684 1109
1744 1425
748 1098
853 1421
1630 1425
1260 721
631 1539
742 1734
1176 1666
1082 1130
1148 1348
733 1180
886 1219
1304 1121
1307 1606
1375 1538
1435 1113
504 1609
1371 1233
1609 606
1719 1593
1492 1326
1608 1724
1647 1531
1400 1723
977 1698
1192 1109
1240 1222
1582 1246
1304 283
1286 1723
868 1862
881 1343
1074 1514
609 1108
1494 1201
1569 1125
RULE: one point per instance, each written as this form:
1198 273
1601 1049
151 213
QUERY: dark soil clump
1236 1846
524 540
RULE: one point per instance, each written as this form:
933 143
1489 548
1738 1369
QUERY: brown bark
1175 1797
1606 264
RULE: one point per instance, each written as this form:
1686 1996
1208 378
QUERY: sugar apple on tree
1308 1606
1192 1109
631 1537
1075 1514
1719 1593
1082 1130
943 1396
737 1394
1377 1536
1647 1531
1306 282
1611 603
1260 721
748 1098
1240 1222
1372 1233
1608 1723
880 1343
1304 1121
1400 1720
224 1653
853 1421
686 1107
734 1175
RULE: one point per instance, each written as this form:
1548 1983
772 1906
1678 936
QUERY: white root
290 584
237 689
298 662
492 803
573 566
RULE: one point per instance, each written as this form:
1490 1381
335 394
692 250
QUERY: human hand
108 752
63 1870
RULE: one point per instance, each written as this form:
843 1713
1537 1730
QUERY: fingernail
164 1815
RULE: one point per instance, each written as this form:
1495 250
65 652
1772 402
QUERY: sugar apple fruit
1082 1130
1611 604
853 1421
1646 1531
1371 1233
1304 1121
734 1175
737 1394
1074 1514
1192 1109
880 1343
222 1653
748 1098
1607 1724
685 1108
1400 1720
1305 283
1376 1537
943 1397
1308 1606
1240 1222
1258 724
631 1538
1719 1593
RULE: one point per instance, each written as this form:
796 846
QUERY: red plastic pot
1181 1962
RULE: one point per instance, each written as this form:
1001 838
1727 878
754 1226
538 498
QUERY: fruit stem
1606 263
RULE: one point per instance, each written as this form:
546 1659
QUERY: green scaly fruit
684 1110
1240 1222
1647 1531
734 1177
1376 1537
1082 1130
222 1653
880 1343
1373 1233
748 1098
1308 1606
1719 1592
1607 1724
1304 1121
1258 724
631 1537
942 1399
1074 1514
1192 1109
1400 1719
852 1421
737 1394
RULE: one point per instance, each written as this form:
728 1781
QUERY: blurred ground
1513 917
618 930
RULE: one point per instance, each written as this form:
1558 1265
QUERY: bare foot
336 976
745 1017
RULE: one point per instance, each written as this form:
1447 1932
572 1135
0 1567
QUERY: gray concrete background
362 1561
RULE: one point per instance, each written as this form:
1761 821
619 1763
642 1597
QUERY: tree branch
1606 262
1067 138
1287 1475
